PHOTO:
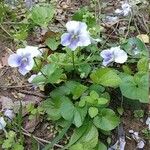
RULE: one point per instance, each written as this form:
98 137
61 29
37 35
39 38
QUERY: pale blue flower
114 54
9 113
2 123
77 35
23 59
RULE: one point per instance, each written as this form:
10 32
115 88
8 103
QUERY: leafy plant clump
82 73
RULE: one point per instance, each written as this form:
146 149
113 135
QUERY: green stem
73 60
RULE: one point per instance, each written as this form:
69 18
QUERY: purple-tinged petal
107 53
66 39
23 71
107 61
14 60
84 40
74 44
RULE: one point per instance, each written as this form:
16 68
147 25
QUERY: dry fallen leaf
6 103
143 37
31 124
3 60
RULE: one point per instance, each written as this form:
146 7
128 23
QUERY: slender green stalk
73 60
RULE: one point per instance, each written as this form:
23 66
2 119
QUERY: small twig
128 26
1 26
25 132
110 35
15 86
32 93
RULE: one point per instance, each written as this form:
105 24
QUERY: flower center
24 61
74 37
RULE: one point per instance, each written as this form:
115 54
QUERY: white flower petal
83 28
9 113
2 123
21 51
84 40
72 26
141 144
31 64
34 51
120 56
31 78
118 11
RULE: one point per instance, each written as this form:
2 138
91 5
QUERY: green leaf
97 88
79 116
102 101
57 58
42 15
142 64
127 69
39 79
52 43
134 46
93 100
86 16
84 70
106 77
17 146
60 92
67 109
135 87
94 95
89 139
77 146
77 134
106 120
93 111
120 110
53 73
76 89
52 108
101 146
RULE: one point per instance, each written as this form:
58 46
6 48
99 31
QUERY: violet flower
114 54
9 113
77 35
23 59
